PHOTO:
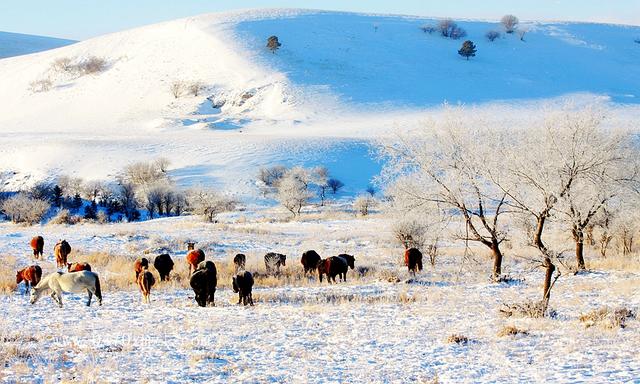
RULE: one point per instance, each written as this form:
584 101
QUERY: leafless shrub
293 189
428 29
62 64
532 309
91 65
492 35
144 173
362 204
196 87
606 317
410 233
511 330
177 88
449 28
24 209
509 22
521 33
457 339
102 217
64 217
42 85
270 176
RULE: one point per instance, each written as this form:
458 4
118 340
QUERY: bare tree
492 35
293 190
446 167
362 204
273 44
509 22
93 189
196 87
321 179
270 176
208 203
521 33
177 88
145 173
335 185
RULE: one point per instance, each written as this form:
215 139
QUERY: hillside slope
336 83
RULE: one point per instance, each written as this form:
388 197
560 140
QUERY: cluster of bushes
295 187
446 28
141 187
180 88
69 67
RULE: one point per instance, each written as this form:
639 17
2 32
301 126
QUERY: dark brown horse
164 265
75 267
351 261
242 284
204 281
194 258
413 260
332 267
139 265
310 261
273 261
30 275
37 244
61 250
239 261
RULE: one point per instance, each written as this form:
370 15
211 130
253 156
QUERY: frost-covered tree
492 35
293 190
22 208
445 167
467 50
321 180
208 203
362 204
509 22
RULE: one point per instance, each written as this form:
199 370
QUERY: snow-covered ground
367 330
335 81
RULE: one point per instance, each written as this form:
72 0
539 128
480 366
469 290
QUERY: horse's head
283 259
69 267
35 295
18 277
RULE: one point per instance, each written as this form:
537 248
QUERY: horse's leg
90 294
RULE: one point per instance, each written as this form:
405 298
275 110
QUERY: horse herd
203 276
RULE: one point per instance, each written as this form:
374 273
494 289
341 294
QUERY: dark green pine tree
57 196
468 49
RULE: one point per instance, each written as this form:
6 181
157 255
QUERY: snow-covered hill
15 44
338 81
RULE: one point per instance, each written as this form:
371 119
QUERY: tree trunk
578 236
497 260
550 268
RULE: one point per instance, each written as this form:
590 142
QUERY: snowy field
374 328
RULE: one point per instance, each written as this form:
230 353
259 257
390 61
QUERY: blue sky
81 19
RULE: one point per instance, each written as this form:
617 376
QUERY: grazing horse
145 282
204 281
37 244
242 284
239 262
164 265
76 282
30 275
61 250
273 261
310 261
349 259
413 260
194 258
332 267
77 267
139 265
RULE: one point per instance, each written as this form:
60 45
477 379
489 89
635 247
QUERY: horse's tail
419 263
98 290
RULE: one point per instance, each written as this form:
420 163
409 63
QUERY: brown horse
413 260
332 267
349 259
145 282
61 250
139 265
30 275
76 267
37 244
194 258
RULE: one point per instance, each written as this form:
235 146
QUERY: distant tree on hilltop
509 22
273 44
468 49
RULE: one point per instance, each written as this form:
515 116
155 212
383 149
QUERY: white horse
76 282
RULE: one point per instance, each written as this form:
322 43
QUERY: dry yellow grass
512 330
